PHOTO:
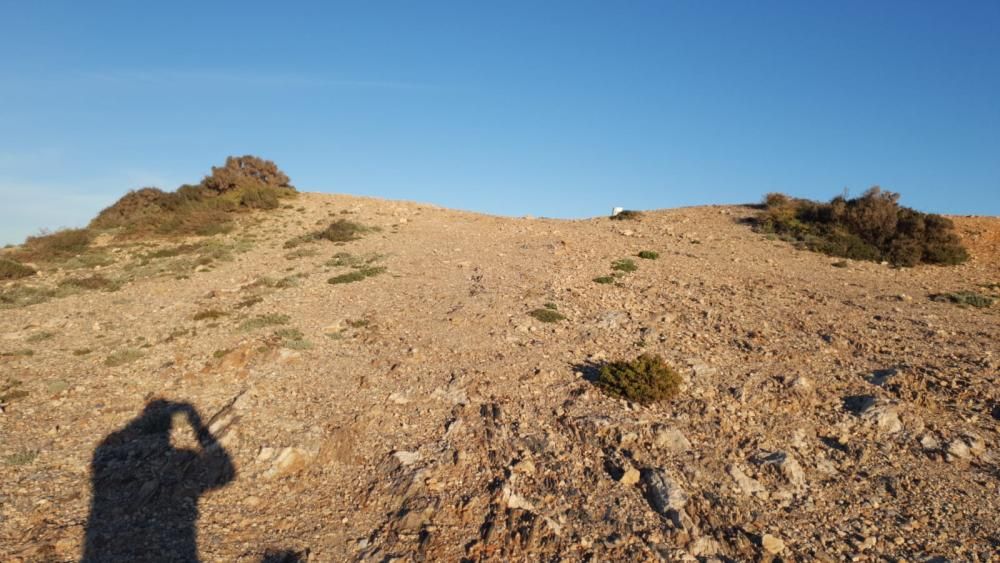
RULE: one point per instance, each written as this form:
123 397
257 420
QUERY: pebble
772 544
630 477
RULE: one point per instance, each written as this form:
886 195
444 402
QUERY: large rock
667 497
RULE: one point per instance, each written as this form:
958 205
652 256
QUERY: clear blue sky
559 109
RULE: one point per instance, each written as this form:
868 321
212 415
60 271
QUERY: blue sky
560 109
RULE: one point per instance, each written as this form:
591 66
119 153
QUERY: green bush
965 298
646 379
262 321
11 270
648 254
93 283
604 279
870 227
357 275
624 265
547 315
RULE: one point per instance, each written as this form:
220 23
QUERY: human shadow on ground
145 491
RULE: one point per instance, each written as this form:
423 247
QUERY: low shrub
648 254
40 337
122 357
52 247
293 338
262 321
210 314
547 315
965 298
870 227
12 270
646 379
242 184
23 457
92 283
357 275
627 215
24 295
624 265
604 279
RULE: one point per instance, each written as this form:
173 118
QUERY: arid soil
829 413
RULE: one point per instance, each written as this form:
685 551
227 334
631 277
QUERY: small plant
15 353
40 336
301 253
293 338
645 380
51 247
93 283
624 265
210 314
840 264
547 315
219 354
358 323
340 230
82 351
22 296
604 279
262 321
551 306
9 392
627 215
357 275
122 357
23 457
11 270
648 254
249 302
965 298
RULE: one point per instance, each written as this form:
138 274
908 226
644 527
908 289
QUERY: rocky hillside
268 394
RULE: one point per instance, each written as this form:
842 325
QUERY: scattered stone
525 466
406 458
772 544
787 466
929 443
747 485
672 440
630 477
884 417
667 497
291 460
265 454
398 399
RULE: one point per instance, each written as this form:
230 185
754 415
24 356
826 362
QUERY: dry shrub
11 270
51 247
244 183
245 172
92 283
870 227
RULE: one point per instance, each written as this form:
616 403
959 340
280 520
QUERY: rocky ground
829 412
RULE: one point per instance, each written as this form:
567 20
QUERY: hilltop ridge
383 391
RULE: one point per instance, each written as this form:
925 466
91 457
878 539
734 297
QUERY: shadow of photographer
145 491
